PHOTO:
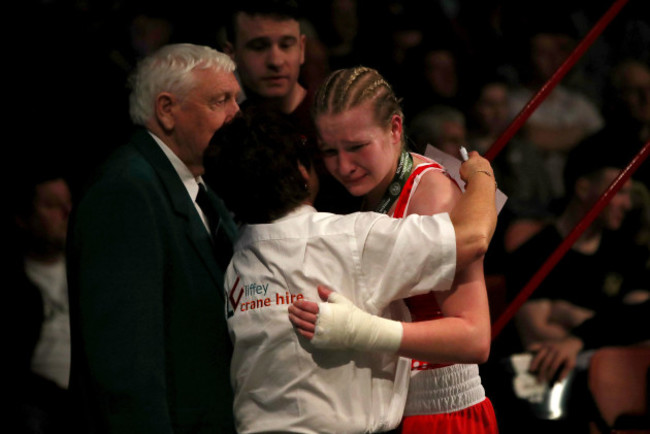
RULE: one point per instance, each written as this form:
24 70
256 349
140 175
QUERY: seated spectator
627 129
566 116
627 110
39 334
602 273
519 167
440 126
628 96
624 324
437 77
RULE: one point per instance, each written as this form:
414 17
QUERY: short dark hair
597 152
252 164
280 9
46 168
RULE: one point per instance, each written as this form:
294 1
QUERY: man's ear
303 47
165 106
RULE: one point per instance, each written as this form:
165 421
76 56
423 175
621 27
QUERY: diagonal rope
566 244
512 129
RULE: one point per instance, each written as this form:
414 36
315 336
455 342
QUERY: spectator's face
452 137
149 33
635 91
206 108
48 222
345 21
357 151
611 217
268 53
440 72
548 51
492 108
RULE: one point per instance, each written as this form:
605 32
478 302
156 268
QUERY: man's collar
189 180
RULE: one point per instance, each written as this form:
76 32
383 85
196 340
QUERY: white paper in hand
452 165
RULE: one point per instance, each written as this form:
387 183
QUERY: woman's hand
475 166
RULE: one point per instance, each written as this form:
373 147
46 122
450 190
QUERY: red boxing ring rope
537 99
566 244
512 129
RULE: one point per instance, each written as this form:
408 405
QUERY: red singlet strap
403 200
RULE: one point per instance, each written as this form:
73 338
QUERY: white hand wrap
342 325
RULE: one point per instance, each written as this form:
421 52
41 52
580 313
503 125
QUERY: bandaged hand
339 324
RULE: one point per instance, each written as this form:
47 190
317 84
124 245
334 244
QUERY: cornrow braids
350 93
372 88
345 89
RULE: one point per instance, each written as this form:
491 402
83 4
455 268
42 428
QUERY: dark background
74 56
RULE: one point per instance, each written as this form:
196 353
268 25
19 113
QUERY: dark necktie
221 244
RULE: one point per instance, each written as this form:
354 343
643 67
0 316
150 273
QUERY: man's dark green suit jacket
150 350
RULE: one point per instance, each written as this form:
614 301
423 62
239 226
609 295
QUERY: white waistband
444 390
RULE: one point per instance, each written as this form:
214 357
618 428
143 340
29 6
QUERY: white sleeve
405 257
590 117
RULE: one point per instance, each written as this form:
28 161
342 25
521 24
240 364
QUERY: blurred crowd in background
78 54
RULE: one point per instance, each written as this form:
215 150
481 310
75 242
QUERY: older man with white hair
150 352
